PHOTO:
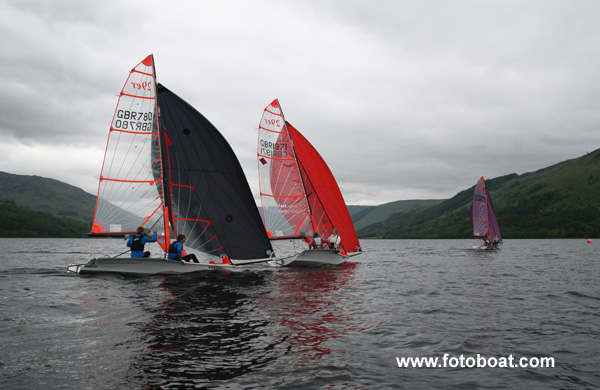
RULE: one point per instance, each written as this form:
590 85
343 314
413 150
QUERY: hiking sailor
137 241
334 240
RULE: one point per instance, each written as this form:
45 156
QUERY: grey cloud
402 99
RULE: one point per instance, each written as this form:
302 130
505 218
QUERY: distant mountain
357 212
52 196
560 201
368 215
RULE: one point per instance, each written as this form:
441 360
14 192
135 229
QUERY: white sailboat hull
311 258
486 247
142 266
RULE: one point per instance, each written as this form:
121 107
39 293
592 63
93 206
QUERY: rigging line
198 235
285 138
252 262
146 209
129 149
126 184
114 155
298 166
262 261
160 218
294 170
120 254
279 180
316 196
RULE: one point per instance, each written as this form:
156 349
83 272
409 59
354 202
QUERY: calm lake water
336 328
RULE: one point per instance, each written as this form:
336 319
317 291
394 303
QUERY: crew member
137 241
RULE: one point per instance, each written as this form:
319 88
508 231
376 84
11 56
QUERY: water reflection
207 328
312 307
219 327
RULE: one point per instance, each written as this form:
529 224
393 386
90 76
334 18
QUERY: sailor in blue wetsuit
176 249
137 241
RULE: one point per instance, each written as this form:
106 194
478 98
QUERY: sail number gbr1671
133 120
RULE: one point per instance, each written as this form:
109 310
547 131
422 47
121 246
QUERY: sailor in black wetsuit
137 241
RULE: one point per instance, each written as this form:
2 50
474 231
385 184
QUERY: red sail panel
284 205
479 210
327 204
290 197
494 229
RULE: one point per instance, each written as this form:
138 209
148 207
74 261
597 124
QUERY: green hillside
374 214
16 221
52 196
357 212
561 201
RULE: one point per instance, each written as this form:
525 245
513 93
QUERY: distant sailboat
483 218
299 194
168 167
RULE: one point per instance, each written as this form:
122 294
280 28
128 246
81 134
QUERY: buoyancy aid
318 242
173 248
136 243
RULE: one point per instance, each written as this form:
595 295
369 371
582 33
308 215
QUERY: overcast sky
403 99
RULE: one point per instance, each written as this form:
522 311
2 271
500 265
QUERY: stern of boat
311 258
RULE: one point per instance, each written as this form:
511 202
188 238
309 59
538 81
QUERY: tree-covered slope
49 195
16 221
560 201
384 211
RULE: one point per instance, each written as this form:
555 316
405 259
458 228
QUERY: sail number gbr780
133 120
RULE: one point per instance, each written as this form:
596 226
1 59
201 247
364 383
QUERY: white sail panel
129 193
285 208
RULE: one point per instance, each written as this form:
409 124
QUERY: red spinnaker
327 204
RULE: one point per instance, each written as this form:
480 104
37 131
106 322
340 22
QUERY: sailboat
299 195
167 167
483 218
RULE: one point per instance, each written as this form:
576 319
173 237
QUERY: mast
165 183
166 187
